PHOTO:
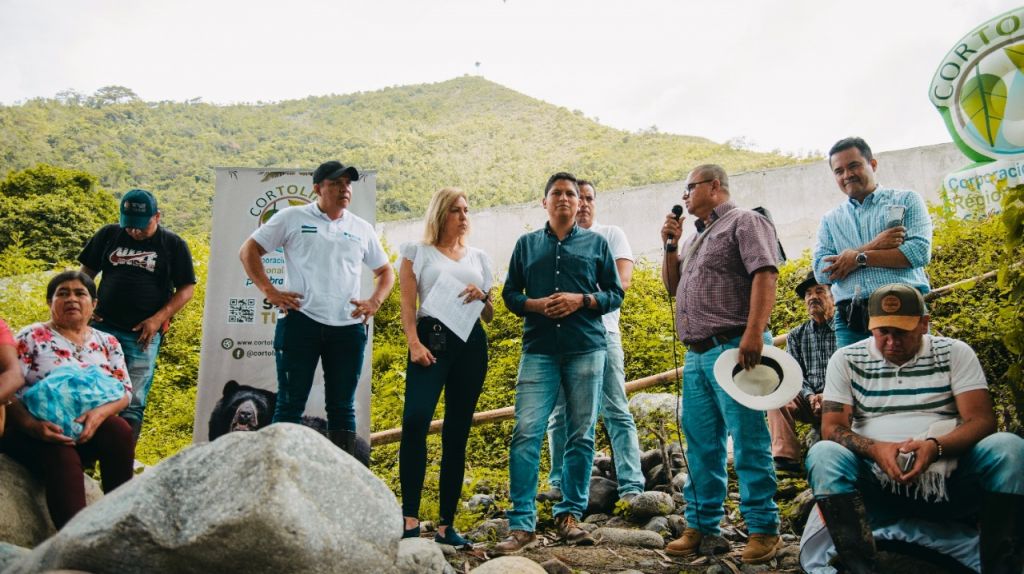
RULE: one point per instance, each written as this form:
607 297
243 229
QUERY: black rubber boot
1002 533
343 439
847 522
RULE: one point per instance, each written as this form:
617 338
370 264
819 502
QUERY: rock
603 495
9 553
618 522
647 505
659 525
731 534
713 544
676 524
630 537
789 557
679 481
509 565
755 568
493 530
797 511
428 526
604 464
596 518
649 459
282 499
657 476
629 572
24 516
556 566
589 527
483 503
419 555
448 550
645 406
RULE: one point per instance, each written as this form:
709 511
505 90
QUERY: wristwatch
586 300
862 259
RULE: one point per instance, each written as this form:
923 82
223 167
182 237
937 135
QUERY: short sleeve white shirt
323 258
619 246
896 402
428 264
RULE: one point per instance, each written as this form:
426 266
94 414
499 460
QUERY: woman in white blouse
439 358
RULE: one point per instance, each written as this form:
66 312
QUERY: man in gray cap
147 278
322 318
909 430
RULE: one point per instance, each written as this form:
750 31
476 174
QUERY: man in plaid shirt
811 344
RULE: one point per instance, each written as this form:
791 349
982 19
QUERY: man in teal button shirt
561 279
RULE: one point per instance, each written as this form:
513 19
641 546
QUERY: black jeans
460 370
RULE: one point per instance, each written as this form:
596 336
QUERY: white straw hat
769 385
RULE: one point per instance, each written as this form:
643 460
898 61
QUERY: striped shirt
853 224
714 289
812 345
897 402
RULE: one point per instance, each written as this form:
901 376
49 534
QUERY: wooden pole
506 413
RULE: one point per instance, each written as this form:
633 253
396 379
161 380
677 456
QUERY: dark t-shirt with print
137 277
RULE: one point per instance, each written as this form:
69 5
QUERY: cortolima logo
979 89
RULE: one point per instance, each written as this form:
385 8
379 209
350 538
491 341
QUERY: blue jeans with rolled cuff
710 415
541 378
299 344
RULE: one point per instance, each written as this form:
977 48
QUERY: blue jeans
299 344
541 378
709 416
617 419
992 465
845 335
141 364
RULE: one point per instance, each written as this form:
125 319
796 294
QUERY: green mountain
495 143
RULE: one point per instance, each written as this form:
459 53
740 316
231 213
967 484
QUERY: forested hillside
497 144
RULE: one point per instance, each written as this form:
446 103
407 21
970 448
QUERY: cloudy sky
793 75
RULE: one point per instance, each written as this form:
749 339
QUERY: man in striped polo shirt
910 431
877 236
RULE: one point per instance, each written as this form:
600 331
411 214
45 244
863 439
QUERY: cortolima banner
238 322
979 91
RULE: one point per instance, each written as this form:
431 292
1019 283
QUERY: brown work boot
516 542
761 548
570 531
685 545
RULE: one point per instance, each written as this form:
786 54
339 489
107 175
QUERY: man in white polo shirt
322 317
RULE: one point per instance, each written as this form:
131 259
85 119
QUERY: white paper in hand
444 304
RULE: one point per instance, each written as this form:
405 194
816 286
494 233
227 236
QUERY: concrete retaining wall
797 197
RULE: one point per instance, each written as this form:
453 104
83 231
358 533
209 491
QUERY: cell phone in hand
894 215
906 460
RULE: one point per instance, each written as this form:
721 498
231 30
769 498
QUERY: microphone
677 212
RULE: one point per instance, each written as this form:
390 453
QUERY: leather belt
705 345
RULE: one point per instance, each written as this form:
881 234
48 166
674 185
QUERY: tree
52 212
112 95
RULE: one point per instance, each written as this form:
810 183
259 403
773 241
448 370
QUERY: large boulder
24 516
283 499
10 553
630 537
647 505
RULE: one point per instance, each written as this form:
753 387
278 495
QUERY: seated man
812 345
910 431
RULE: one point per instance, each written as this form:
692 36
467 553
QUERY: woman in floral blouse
67 340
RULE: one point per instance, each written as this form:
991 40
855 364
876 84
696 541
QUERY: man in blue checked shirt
876 237
561 280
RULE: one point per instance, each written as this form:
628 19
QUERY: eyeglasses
692 186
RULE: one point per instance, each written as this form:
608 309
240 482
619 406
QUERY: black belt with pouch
437 334
855 313
705 345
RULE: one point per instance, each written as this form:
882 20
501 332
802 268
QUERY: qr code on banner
241 310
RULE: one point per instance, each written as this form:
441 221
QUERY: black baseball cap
333 170
806 284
